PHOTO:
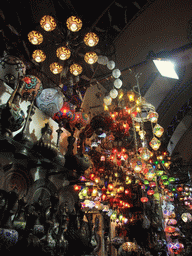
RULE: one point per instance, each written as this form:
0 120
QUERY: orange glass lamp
63 53
74 24
38 56
56 68
48 23
35 37
76 69
91 39
91 57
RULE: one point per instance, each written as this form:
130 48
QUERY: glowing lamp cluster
74 24
48 23
35 37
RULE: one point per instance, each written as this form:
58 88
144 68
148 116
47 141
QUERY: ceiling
131 33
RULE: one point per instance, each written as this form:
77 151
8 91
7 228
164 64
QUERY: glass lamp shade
38 56
91 39
107 100
91 57
11 68
118 83
48 23
113 93
153 116
63 53
158 130
186 217
35 37
80 118
137 164
144 199
145 154
155 143
66 112
111 64
75 69
32 87
50 101
56 68
116 73
74 24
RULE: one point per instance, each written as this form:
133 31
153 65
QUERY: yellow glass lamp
76 69
48 23
158 130
35 37
131 96
74 24
56 68
91 57
91 39
38 56
63 53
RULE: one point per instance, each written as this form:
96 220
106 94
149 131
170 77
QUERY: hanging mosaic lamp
35 37
137 164
32 87
49 101
152 116
11 68
91 39
48 23
74 24
145 153
155 143
158 130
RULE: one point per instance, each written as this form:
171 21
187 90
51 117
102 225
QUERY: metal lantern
158 130
35 37
63 53
76 69
32 87
91 57
49 101
38 56
91 39
11 68
48 23
74 24
56 68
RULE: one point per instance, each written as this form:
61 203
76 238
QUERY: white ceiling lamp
166 68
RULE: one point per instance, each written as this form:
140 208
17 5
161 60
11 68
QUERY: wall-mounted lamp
166 68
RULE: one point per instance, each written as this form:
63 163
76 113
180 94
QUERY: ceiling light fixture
166 68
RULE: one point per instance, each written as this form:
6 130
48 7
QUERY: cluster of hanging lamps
74 24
